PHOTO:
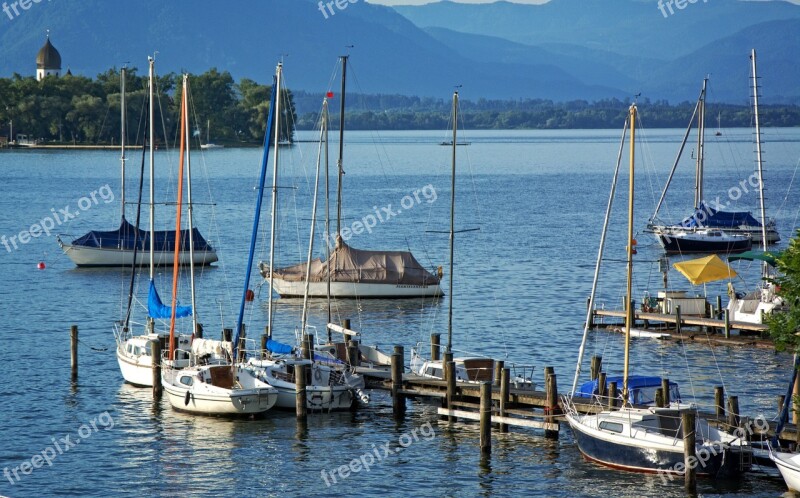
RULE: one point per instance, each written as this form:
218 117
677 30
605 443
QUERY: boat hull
135 370
354 290
98 257
789 467
191 390
675 244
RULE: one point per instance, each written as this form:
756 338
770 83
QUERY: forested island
79 110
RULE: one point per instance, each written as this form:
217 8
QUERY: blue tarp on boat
641 388
278 347
706 216
156 309
127 236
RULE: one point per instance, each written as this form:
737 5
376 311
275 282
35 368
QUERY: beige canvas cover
355 265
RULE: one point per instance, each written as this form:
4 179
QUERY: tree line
77 109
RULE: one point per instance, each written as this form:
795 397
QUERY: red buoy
41 265
249 295
329 95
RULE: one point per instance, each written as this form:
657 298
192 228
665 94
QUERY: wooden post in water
551 409
155 351
689 449
308 346
733 411
718 308
450 377
719 400
612 394
678 324
436 340
398 400
727 318
660 397
227 335
499 365
486 417
548 371
597 366
601 385
353 353
264 339
505 381
73 351
301 408
665 391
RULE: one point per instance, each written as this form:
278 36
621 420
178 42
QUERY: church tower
48 61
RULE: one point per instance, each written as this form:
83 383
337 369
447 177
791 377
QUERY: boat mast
327 218
151 78
701 131
122 135
452 226
278 75
340 162
190 207
628 282
313 222
759 161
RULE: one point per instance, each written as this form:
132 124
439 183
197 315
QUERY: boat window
611 426
435 372
186 380
130 348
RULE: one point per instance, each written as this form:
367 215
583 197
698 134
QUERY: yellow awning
703 270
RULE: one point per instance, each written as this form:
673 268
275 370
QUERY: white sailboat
129 245
350 272
646 438
208 144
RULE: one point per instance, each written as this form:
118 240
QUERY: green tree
784 327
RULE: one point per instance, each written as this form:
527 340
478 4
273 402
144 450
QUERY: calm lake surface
520 289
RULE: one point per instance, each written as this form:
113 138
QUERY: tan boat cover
354 265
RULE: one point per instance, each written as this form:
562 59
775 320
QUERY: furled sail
157 309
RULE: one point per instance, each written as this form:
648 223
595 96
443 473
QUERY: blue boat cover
128 235
706 216
278 347
635 383
156 309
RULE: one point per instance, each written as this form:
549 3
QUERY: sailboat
718 133
129 245
221 389
708 229
326 389
208 144
350 272
645 438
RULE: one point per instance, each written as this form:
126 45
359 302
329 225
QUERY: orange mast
176 261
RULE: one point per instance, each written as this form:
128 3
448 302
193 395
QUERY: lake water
520 288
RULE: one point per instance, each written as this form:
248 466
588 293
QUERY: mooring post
597 366
227 335
300 387
733 411
689 457
678 324
398 400
719 400
660 397
727 317
601 385
73 351
486 417
552 405
450 377
505 378
155 351
353 353
436 340
718 308
665 391
499 365
548 371
264 339
612 394
308 346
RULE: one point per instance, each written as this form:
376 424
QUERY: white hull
136 370
320 394
92 256
789 466
354 289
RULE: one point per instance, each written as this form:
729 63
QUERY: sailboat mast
759 161
452 226
628 281
304 319
279 74
341 151
122 136
152 171
327 217
190 207
701 131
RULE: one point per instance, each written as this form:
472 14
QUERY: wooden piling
499 365
727 317
660 397
678 324
733 411
551 392
301 408
155 352
450 377
612 394
486 417
264 339
665 391
718 309
597 366
73 351
505 381
689 449
601 385
308 347
548 371
436 340
398 400
719 400
353 353
227 335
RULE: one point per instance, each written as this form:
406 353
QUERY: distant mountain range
562 50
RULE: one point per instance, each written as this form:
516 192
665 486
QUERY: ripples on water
521 284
